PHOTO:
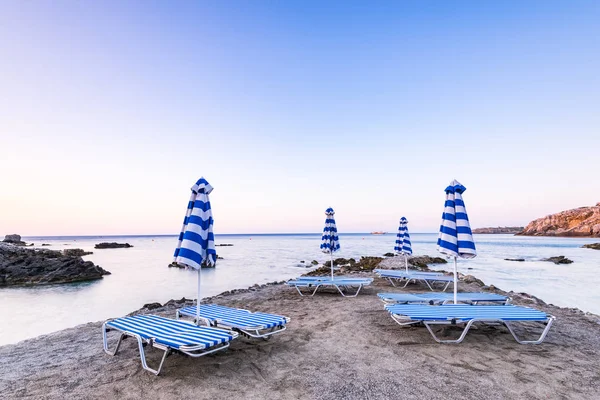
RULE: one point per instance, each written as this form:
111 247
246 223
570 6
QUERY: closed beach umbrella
196 245
330 242
403 245
455 238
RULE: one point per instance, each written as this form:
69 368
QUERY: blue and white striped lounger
251 324
341 284
168 335
441 298
454 314
412 276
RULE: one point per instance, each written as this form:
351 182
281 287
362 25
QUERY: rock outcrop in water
20 266
594 246
14 239
499 230
581 222
113 245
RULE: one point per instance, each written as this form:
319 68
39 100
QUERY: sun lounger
429 278
250 324
441 298
341 284
459 314
168 335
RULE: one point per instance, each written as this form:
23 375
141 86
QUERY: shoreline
334 347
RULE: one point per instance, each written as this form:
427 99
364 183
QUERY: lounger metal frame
192 351
254 332
404 320
431 301
423 278
343 285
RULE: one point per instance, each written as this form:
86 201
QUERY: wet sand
334 348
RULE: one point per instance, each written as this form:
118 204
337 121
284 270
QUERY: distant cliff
499 229
582 222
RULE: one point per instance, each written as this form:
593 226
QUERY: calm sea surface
140 274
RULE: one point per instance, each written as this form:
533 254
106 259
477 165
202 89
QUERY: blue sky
111 110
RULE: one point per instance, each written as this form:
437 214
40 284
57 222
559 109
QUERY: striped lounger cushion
235 317
439 297
172 333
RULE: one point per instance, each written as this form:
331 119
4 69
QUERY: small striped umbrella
455 238
403 245
330 242
196 245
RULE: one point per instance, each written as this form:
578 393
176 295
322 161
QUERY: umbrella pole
455 281
198 300
406 262
331 253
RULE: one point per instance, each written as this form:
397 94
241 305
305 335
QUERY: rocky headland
23 267
578 222
499 230
594 246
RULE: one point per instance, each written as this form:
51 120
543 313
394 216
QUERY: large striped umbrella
403 245
455 238
330 242
196 245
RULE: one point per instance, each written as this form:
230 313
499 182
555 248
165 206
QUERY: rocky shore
499 230
24 266
334 348
578 222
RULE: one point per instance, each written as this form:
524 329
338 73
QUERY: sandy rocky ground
334 348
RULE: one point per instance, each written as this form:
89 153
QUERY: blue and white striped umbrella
403 245
455 238
330 241
196 245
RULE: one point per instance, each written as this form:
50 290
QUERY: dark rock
389 255
14 239
514 259
424 261
204 265
224 244
152 306
302 262
595 246
113 245
46 244
348 266
472 279
76 252
558 260
21 266
219 258
314 262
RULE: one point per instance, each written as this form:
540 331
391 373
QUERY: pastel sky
110 111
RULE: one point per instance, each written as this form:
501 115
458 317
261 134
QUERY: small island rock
595 246
558 260
14 239
112 245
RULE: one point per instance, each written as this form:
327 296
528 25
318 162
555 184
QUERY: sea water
141 275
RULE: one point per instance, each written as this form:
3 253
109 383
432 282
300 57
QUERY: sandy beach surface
334 348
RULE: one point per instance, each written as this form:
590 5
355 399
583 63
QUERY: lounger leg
105 341
399 321
391 281
143 357
351 295
446 287
428 285
315 291
407 282
539 340
455 341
